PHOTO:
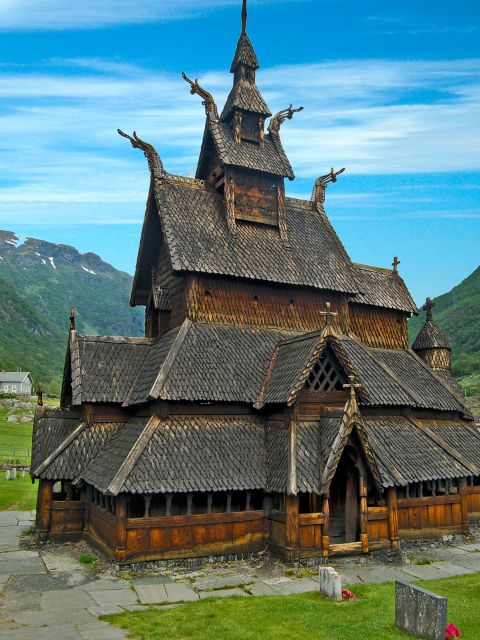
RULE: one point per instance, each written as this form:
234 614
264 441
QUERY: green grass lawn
15 439
17 495
303 617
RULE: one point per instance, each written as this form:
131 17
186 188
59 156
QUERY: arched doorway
345 522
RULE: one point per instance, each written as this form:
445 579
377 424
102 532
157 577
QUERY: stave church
274 402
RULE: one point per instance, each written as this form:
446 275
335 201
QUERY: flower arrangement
349 595
452 632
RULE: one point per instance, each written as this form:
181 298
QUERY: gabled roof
389 377
14 376
430 337
199 240
382 288
51 427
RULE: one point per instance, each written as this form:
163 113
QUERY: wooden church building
274 400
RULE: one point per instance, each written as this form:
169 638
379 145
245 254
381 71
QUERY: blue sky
391 91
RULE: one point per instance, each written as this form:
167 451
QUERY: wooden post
148 499
121 548
393 518
462 485
325 536
363 514
44 508
291 512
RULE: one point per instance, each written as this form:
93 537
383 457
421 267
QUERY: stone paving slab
151 593
106 584
152 580
114 597
105 610
296 586
472 548
9 538
223 593
180 593
65 600
9 518
27 565
100 631
262 589
272 582
60 562
57 632
36 619
377 575
435 571
220 582
48 582
136 607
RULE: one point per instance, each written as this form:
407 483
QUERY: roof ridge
115 339
369 267
61 447
136 451
170 359
300 202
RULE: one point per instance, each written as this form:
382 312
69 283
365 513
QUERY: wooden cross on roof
395 264
329 314
353 386
428 306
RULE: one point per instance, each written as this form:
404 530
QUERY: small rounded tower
432 344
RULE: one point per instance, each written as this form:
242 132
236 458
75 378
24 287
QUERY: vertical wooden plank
392 518
325 535
121 531
44 508
363 514
291 509
464 505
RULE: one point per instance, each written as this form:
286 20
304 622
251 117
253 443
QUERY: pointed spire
430 336
244 17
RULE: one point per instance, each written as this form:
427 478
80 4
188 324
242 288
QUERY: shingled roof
430 337
382 288
198 239
244 53
401 445
51 427
183 454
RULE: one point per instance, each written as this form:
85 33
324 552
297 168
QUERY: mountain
39 282
458 315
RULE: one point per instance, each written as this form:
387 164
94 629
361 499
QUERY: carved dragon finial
277 121
154 163
244 16
318 195
208 101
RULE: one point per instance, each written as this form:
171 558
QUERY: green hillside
39 282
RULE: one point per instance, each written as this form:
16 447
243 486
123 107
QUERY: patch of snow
36 253
52 263
89 271
11 242
1 258
43 261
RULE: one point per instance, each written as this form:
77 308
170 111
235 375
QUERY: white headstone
7 474
14 473
330 583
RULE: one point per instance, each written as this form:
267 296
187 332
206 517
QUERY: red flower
452 632
348 595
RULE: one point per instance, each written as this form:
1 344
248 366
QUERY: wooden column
462 486
393 518
363 514
121 511
291 522
325 536
44 508
86 498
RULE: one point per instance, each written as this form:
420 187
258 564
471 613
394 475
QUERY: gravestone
419 612
330 583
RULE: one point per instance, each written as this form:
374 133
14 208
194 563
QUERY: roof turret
430 336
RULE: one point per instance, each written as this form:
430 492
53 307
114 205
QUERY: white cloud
372 116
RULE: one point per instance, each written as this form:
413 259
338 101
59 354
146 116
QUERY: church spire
244 17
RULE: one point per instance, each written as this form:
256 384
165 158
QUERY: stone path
51 595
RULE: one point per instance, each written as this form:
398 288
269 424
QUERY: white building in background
18 382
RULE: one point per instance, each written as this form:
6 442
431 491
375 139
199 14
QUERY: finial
208 101
277 120
395 264
244 16
39 394
72 319
154 163
318 194
428 306
329 314
352 385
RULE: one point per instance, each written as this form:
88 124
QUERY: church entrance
344 525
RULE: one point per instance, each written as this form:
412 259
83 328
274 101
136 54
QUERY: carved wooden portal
345 499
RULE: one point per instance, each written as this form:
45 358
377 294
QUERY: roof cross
244 16
353 386
395 264
329 314
428 306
